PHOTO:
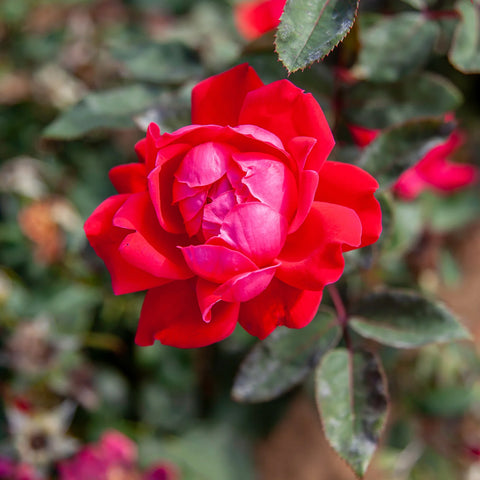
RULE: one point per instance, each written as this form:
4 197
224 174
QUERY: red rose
256 17
433 172
237 218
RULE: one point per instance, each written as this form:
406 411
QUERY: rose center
213 178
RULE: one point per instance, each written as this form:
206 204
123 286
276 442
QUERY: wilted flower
81 386
22 175
30 348
44 223
40 436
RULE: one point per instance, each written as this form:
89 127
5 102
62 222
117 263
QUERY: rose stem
342 315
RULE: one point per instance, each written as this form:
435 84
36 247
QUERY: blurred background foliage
79 82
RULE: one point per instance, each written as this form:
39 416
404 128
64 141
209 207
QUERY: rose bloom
434 171
256 17
238 218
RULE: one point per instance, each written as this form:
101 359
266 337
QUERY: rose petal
215 212
218 99
261 134
216 263
241 288
247 142
363 136
306 193
204 164
283 109
279 304
129 178
255 17
256 230
248 285
171 315
269 181
352 187
160 187
149 247
410 184
444 175
147 148
449 176
312 256
105 239
194 225
300 148
189 207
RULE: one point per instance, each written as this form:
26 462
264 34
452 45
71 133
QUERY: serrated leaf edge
324 55
384 425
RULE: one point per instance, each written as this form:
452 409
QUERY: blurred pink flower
161 471
114 456
9 470
435 171
114 451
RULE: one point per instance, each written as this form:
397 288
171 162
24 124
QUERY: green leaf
282 360
405 319
420 4
382 106
395 46
398 148
108 109
310 29
407 227
446 213
167 63
352 400
225 456
464 53
446 401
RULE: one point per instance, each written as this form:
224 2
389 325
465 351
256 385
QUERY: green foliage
223 457
449 213
420 4
465 50
384 105
405 319
396 46
108 109
309 30
400 147
284 359
167 63
352 400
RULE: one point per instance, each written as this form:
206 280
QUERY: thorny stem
342 315
339 306
439 14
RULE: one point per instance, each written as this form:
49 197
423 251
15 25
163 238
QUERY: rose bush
238 218
256 17
435 171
